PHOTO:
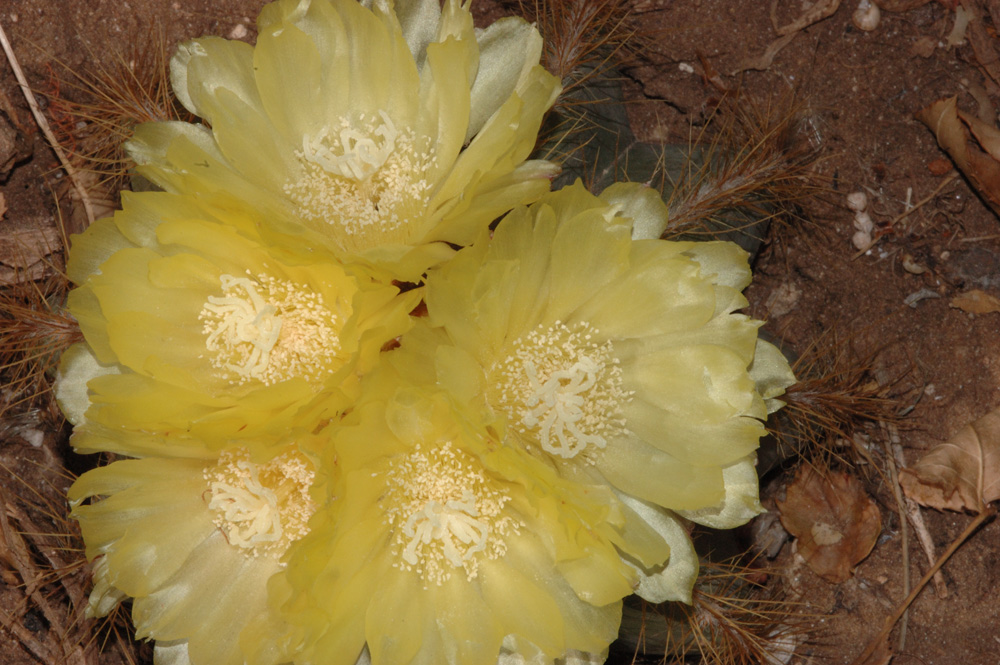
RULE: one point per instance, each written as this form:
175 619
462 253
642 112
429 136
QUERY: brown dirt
860 91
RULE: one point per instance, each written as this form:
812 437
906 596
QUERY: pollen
269 330
260 508
561 389
445 514
362 180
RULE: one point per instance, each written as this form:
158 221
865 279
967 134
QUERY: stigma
561 390
269 330
445 513
260 508
362 181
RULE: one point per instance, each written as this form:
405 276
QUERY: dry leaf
987 135
949 127
960 474
983 39
924 47
962 19
835 521
976 302
28 254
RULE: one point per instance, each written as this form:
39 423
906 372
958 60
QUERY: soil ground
859 91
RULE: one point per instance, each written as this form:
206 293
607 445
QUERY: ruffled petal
202 67
741 501
771 374
674 579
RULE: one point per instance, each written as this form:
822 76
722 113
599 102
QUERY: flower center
269 330
445 513
354 154
362 182
561 389
260 508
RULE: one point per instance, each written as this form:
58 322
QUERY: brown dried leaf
835 521
28 254
924 47
976 302
987 135
960 474
944 119
983 41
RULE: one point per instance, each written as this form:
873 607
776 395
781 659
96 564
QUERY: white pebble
863 222
857 201
862 240
867 16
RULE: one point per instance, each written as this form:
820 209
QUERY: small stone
857 201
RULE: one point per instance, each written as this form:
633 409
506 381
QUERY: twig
890 621
992 236
904 532
763 61
44 126
815 14
901 216
10 553
14 552
57 564
917 520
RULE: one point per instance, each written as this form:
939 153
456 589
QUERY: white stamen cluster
362 181
445 513
561 389
260 508
358 153
269 330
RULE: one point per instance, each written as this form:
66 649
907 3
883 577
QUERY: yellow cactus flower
440 545
383 132
194 326
193 538
611 358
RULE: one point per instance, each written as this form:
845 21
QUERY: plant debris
962 473
834 520
976 301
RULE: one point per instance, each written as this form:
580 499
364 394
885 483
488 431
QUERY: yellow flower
383 132
193 538
194 326
611 358
440 545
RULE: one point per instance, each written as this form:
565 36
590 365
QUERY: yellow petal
202 66
653 475
672 580
740 503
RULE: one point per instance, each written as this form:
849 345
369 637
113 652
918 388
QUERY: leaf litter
835 522
961 474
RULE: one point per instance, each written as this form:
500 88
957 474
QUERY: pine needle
96 110
34 331
748 164
733 619
837 395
